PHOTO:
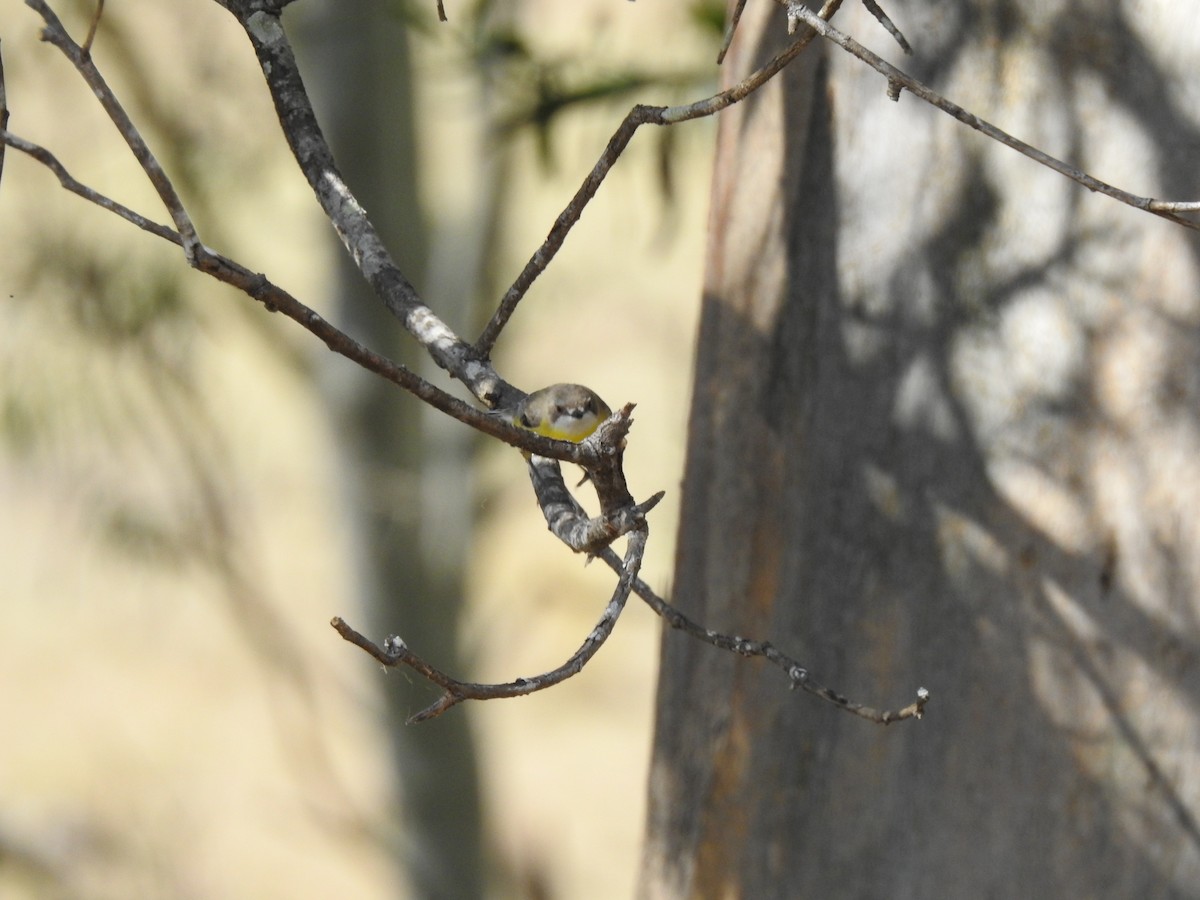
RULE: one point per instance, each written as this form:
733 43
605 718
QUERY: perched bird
565 412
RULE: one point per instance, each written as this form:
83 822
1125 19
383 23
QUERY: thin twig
734 19
91 35
752 82
874 9
50 161
898 80
798 675
56 34
3 114
562 226
634 119
395 651
565 517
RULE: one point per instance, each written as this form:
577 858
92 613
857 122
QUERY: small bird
565 412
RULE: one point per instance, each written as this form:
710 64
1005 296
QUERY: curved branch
567 509
565 517
395 651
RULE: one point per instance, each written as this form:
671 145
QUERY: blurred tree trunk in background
407 500
945 433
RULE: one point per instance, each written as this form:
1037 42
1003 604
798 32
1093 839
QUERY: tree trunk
944 433
408 507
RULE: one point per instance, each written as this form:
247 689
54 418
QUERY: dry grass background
146 747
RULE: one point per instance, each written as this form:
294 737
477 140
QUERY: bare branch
349 218
566 220
730 28
3 115
395 652
55 34
50 161
91 35
567 508
601 455
565 518
275 299
601 458
898 80
638 116
798 675
751 83
874 9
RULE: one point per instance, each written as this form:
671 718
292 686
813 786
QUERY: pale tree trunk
944 433
407 504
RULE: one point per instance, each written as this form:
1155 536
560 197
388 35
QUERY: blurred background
191 487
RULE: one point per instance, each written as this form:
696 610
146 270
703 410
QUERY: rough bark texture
944 433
